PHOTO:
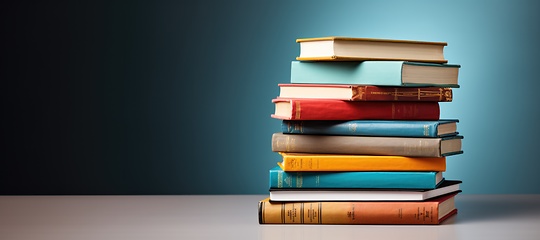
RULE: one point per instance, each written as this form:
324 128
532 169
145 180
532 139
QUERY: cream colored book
335 48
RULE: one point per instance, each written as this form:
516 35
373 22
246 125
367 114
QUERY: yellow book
335 162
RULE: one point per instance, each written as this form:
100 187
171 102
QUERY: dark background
174 97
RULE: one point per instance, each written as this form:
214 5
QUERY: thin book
388 128
341 48
349 92
295 195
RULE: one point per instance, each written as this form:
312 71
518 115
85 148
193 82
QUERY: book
378 73
350 92
295 195
389 128
383 180
367 145
306 162
432 211
336 48
329 109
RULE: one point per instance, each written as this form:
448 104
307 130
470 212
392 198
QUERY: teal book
397 128
346 180
377 73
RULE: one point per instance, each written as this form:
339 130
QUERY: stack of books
362 141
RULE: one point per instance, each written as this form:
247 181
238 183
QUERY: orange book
337 162
433 211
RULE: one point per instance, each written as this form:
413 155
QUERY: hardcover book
367 145
349 92
305 162
381 180
329 109
337 48
394 128
378 73
432 211
334 194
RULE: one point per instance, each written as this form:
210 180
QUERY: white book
445 187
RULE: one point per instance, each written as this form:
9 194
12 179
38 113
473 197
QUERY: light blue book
437 128
345 180
379 73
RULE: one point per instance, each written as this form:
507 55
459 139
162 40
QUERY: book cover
393 128
367 145
378 73
340 194
383 180
349 92
329 109
432 211
335 48
305 162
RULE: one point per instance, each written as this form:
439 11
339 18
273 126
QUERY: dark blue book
437 128
372 180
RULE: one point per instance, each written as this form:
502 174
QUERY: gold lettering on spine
299 180
298 126
448 94
313 212
297 110
280 179
289 143
426 130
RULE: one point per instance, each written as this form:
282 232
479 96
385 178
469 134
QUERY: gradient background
174 97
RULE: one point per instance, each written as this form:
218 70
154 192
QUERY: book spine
362 128
308 163
361 145
375 93
381 73
349 212
305 109
383 180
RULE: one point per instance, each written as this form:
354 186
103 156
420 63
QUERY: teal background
174 97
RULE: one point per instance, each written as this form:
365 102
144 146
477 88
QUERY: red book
364 93
329 109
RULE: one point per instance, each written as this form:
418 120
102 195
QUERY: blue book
379 73
437 128
371 180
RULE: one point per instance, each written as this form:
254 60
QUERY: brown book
432 211
360 49
364 93
367 145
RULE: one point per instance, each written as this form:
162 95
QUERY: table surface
235 217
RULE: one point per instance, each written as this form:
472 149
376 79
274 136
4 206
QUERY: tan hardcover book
335 48
367 145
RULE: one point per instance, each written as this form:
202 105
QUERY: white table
515 217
